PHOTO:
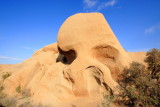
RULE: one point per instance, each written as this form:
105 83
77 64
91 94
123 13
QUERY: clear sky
28 25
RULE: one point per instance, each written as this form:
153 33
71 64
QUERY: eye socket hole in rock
105 54
105 51
108 55
66 57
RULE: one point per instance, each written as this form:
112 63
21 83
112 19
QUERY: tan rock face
93 45
84 63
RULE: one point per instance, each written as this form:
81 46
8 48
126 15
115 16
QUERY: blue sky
28 25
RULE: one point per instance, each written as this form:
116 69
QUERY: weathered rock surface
84 63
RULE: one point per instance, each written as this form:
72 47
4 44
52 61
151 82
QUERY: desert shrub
153 61
2 95
108 100
140 85
18 89
6 75
8 102
1 88
13 102
29 104
26 104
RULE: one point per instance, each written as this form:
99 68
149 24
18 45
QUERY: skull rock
92 60
91 53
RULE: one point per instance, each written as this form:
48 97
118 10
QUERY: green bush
26 104
29 104
8 102
108 100
1 88
153 61
6 75
18 89
140 85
